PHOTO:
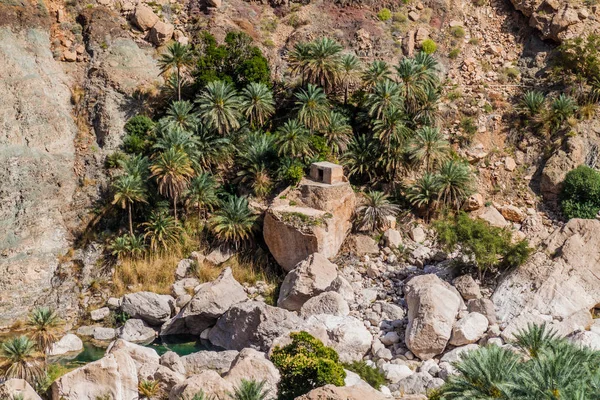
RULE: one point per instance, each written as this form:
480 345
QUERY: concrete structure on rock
327 172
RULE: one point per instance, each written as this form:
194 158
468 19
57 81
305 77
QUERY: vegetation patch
580 196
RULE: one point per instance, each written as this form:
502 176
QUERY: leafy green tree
580 195
181 115
162 231
324 62
202 193
178 57
138 131
306 364
173 171
428 145
219 107
250 390
361 158
19 355
454 183
312 107
293 140
257 103
234 222
377 71
384 96
43 322
349 69
128 190
374 210
337 133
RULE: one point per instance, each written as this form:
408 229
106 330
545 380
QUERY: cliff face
37 154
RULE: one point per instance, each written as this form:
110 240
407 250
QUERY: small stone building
326 172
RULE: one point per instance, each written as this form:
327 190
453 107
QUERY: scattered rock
183 267
393 238
136 331
219 255
172 361
104 334
254 365
18 388
144 18
207 381
331 392
153 308
493 217
67 344
510 164
512 213
467 287
347 335
139 354
161 33
362 244
418 383
396 372
474 202
113 303
469 329
100 314
331 303
166 377
483 306
413 16
219 361
69 56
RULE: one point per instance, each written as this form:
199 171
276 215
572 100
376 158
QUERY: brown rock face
315 218
331 392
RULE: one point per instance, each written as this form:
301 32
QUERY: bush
306 364
454 53
580 196
429 46
458 32
490 248
372 376
139 126
384 14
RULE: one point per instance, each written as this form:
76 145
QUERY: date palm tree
384 96
323 64
423 193
312 107
392 132
257 103
416 75
210 148
374 210
250 390
337 133
202 193
136 166
172 137
162 231
298 59
234 222
453 183
173 171
361 157
376 72
219 107
428 145
43 322
179 57
149 389
293 140
256 156
19 358
349 69
181 115
128 190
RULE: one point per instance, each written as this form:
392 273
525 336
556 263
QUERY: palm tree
374 210
219 107
561 109
136 166
128 190
172 137
361 157
312 107
535 339
298 59
323 63
19 355
532 103
43 321
428 145
423 193
429 107
337 133
385 95
250 390
234 222
416 74
376 72
293 140
149 389
162 231
485 373
210 148
391 131
349 67
255 158
179 57
173 171
453 183
257 103
202 193
181 115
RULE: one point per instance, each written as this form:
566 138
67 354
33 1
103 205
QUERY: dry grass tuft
155 274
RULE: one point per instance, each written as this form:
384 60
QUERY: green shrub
454 53
294 174
114 160
580 196
458 32
491 248
139 126
372 376
399 17
306 364
384 14
429 46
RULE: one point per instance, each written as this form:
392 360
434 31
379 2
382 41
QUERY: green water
182 345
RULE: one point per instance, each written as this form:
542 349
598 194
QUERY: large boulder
559 284
469 329
219 361
331 303
208 382
432 310
68 344
254 365
165 377
144 18
317 221
331 392
347 335
139 354
114 375
153 308
136 331
311 277
211 301
13 388
253 324
362 245
161 33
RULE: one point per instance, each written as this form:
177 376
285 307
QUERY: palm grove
226 132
